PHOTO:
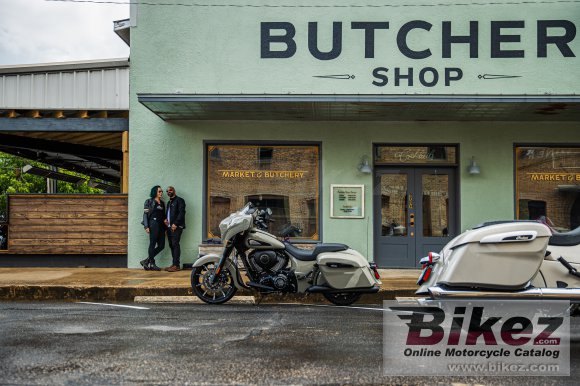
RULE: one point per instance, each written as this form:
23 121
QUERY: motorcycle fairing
235 223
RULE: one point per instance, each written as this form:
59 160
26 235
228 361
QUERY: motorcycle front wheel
342 299
222 289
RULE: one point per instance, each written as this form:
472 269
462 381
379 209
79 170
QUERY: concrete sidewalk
123 285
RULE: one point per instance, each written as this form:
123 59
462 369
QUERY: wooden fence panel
67 224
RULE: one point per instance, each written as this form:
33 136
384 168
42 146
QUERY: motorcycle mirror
269 211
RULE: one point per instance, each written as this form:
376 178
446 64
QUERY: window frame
258 144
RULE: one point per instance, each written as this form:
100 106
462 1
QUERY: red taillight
427 264
427 274
427 269
375 270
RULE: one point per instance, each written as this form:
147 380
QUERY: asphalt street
82 343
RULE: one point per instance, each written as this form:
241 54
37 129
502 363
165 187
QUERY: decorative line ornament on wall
341 77
491 76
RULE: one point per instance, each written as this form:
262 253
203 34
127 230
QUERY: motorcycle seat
566 239
310 254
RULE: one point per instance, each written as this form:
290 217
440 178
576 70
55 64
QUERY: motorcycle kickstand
259 299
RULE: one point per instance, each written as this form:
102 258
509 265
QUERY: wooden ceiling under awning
91 143
95 155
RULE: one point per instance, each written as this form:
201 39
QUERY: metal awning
47 173
362 107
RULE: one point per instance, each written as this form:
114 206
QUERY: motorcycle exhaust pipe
571 294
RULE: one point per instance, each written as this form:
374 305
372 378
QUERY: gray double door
415 212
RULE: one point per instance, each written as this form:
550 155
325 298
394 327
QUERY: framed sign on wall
347 201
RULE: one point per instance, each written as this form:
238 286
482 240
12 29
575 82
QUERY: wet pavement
86 344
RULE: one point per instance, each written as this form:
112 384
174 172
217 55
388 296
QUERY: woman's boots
149 265
145 264
152 266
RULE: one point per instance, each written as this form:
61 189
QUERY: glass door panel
435 205
394 211
394 218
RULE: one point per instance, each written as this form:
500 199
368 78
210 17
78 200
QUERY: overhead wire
200 5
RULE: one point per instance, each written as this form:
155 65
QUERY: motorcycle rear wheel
220 292
342 299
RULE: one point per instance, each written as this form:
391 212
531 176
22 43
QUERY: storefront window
548 185
282 178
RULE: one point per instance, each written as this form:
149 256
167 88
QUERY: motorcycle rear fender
214 258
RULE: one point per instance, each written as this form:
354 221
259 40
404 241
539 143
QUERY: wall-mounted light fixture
364 166
473 168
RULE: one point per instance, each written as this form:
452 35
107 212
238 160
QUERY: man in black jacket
175 222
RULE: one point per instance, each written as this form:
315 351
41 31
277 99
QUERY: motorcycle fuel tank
258 239
503 256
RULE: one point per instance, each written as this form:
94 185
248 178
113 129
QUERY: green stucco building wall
188 50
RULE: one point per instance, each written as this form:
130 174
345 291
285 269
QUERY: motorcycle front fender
213 258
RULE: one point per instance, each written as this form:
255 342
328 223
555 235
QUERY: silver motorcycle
270 265
505 260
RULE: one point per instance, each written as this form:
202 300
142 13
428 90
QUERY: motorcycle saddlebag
345 269
504 256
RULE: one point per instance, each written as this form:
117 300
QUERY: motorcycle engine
267 261
283 281
269 267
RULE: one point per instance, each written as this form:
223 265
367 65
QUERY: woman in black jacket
153 221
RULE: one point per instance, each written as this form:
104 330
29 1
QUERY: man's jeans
174 237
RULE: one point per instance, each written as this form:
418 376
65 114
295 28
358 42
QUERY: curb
190 299
71 294
128 294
